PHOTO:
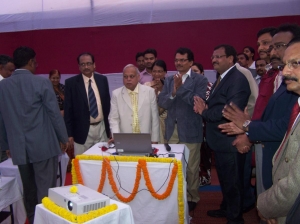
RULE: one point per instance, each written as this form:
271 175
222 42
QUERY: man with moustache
139 58
134 107
274 204
260 65
232 85
266 85
275 117
264 39
86 106
150 56
183 126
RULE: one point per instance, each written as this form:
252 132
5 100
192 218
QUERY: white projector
83 201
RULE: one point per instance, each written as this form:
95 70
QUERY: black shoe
220 213
249 208
192 205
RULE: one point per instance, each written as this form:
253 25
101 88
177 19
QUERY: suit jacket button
286 159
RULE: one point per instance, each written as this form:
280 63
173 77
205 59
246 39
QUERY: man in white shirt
6 66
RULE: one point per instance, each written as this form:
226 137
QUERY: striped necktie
92 101
135 117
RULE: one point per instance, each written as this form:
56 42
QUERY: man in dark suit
183 126
275 117
87 105
31 128
231 86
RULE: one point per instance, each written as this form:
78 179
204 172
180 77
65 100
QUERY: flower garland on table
141 167
64 213
180 194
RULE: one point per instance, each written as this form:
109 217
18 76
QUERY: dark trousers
249 197
230 170
37 178
205 162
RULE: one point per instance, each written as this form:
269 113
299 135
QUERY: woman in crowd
159 71
59 89
205 158
250 52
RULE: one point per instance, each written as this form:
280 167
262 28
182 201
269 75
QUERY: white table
7 169
145 208
123 215
10 194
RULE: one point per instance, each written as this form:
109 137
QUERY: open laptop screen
133 142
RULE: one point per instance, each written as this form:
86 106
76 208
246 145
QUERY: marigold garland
141 167
180 194
64 213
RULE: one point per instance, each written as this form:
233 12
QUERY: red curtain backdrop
116 46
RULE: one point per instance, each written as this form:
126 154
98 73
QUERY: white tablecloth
7 169
123 215
10 194
145 208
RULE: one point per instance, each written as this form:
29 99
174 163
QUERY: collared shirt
1 77
136 90
257 79
252 65
225 73
97 95
145 77
277 81
184 77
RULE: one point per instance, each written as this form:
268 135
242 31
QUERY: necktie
92 101
135 117
294 114
218 82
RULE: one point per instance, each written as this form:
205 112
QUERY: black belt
96 123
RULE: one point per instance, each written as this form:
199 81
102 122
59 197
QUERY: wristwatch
246 125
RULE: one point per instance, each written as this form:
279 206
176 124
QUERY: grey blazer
279 199
181 108
30 120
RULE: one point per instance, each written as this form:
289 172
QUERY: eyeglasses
291 65
88 64
276 47
180 60
129 76
217 56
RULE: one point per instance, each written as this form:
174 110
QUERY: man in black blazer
87 105
231 86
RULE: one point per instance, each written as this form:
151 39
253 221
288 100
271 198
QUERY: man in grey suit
31 128
274 204
183 126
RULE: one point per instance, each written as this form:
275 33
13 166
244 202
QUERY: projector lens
70 205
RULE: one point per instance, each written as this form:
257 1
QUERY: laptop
133 143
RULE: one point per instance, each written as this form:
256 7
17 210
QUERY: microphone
168 148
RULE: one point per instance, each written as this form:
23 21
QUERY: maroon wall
116 46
